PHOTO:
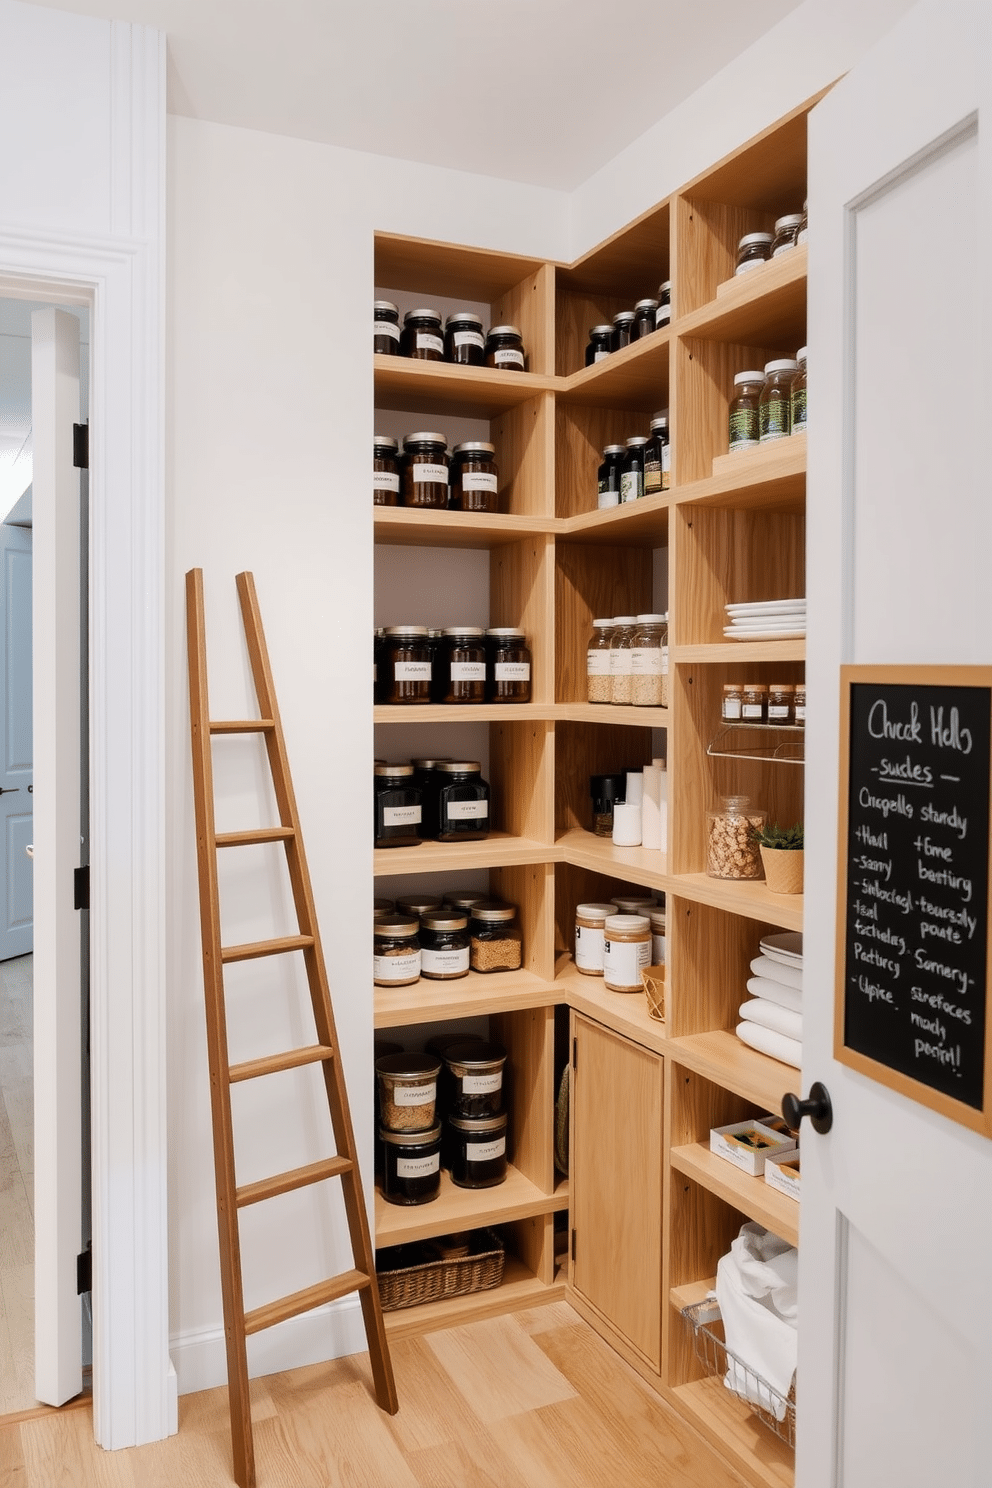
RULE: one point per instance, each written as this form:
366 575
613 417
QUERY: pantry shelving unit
730 529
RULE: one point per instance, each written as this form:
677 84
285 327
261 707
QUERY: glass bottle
620 674
657 457
508 677
599 685
798 394
744 415
645 661
462 665
464 343
474 477
775 404
385 471
645 318
385 328
663 314
632 471
609 476
600 344
422 338
505 349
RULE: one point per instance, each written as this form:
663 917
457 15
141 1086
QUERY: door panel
16 774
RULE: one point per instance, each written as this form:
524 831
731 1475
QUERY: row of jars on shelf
776 703
756 248
433 799
768 405
646 317
640 467
458 664
444 942
425 475
627 661
461 340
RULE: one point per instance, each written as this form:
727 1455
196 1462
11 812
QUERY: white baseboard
331 1332
172 1402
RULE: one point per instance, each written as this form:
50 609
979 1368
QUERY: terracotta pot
783 870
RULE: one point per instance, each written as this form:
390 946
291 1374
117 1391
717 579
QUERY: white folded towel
789 976
772 1015
756 1290
787 997
788 1050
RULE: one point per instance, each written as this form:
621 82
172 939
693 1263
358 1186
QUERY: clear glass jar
475 1085
621 677
731 851
632 470
417 904
647 682
605 791
632 904
477 1150
799 704
508 678
600 344
754 702
626 951
803 231
465 899
590 923
623 330
744 416
385 328
732 707
599 684
408 664
462 802
425 469
753 250
464 343
385 471
645 319
496 942
422 338
657 457
379 670
781 698
775 404
407 1086
411 1166
444 949
474 477
659 932
462 664
608 479
786 229
398 807
395 951
663 314
798 394
505 349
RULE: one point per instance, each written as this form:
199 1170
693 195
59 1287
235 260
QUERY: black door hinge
81 446
81 887
573 1245
575 1055
84 1271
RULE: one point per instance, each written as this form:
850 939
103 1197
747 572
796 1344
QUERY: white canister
627 824
590 921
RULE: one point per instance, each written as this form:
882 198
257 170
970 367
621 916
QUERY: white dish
765 635
767 622
766 606
786 948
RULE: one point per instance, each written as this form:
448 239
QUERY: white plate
786 948
765 635
769 622
766 606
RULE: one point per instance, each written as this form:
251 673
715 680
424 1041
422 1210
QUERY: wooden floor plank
498 1368
429 1401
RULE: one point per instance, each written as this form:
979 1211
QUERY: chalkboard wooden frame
976 1113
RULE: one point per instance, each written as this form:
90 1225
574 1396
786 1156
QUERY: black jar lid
614 449
424 313
646 305
410 1139
467 1124
409 1066
418 904
385 441
473 446
608 787
394 772
601 330
386 305
460 767
506 632
394 927
444 919
473 1055
424 436
463 317
463 630
406 630
493 911
623 316
505 330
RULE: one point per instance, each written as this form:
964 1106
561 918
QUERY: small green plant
782 839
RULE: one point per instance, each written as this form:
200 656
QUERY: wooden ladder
230 1198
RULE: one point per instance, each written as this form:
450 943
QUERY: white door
57 952
16 776
896 1221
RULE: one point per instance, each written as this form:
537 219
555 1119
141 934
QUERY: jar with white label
444 949
509 665
475 1083
425 469
647 647
626 951
786 229
600 344
474 477
411 1166
462 802
645 312
754 702
632 470
599 687
407 1085
753 250
658 937
505 349
398 807
395 951
385 328
799 705
477 1151
621 676
781 696
658 457
422 337
496 942
663 314
462 665
385 471
608 477
590 922
731 709
464 343
407 665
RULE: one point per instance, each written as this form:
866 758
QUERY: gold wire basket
653 978
775 1410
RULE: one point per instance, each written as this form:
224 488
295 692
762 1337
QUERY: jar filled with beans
731 849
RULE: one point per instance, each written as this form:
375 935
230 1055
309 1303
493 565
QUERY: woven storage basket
653 978
433 1278
783 870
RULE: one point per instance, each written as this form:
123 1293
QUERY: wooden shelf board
472 996
690 1293
423 267
464 1209
772 477
733 1428
636 376
632 524
463 712
642 865
752 1196
760 308
519 1288
498 850
409 526
731 652
608 714
625 1012
721 1057
752 900
439 387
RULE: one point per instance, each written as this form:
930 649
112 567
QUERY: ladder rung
254 948
305 1301
280 1183
254 835
274 1064
241 725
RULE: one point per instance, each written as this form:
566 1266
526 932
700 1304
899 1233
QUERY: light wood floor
16 1187
532 1400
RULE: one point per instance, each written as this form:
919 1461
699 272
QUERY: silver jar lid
406 630
470 446
385 305
614 449
411 1066
506 633
463 630
757 237
385 441
636 440
791 219
660 421
424 313
646 305
601 330
663 287
623 315
429 764
472 1055
504 330
461 316
424 436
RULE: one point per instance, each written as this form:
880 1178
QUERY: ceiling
541 91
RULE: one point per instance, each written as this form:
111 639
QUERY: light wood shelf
464 1208
626 1013
439 387
406 526
721 1057
773 477
642 865
691 1293
765 305
636 377
608 714
633 524
752 1196
498 850
734 1429
733 652
476 995
406 714
519 1288
752 900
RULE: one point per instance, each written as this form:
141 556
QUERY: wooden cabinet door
616 1183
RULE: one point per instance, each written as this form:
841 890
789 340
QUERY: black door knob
817 1107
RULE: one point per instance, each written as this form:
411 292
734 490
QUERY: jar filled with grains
647 682
599 687
395 951
621 677
495 940
780 702
731 851
407 1090
733 702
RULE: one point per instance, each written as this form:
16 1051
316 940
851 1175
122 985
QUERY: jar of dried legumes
647 683
599 684
731 849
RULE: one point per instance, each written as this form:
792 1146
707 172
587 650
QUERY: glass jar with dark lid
600 344
623 330
408 664
477 1150
462 664
462 802
508 665
422 336
645 318
474 477
411 1166
632 471
425 471
444 947
476 1077
385 328
380 670
753 250
395 951
385 471
608 482
657 457
663 314
397 807
464 342
786 229
495 940
505 349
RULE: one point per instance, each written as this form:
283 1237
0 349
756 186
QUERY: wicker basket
653 978
411 1274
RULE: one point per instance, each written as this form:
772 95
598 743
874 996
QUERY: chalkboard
913 934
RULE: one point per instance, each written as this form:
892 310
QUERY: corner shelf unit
726 531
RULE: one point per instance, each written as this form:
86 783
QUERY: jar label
486 1084
623 960
620 663
658 950
485 1151
396 968
589 948
666 463
744 428
662 315
752 711
466 811
645 661
782 248
775 417
731 709
468 671
599 356
631 485
468 338
418 1167
412 671
414 1095
752 263
478 480
607 497
508 356
427 341
386 328
400 816
800 712
778 711
802 236
799 410
512 671
652 477
382 480
438 474
664 660
598 663
444 963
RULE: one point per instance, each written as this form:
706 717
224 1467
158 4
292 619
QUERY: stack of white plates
786 948
767 620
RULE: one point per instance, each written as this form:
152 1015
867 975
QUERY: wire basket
653 979
712 1352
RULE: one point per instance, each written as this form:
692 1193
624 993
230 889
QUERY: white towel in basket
756 1290
772 1015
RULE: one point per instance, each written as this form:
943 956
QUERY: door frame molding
121 278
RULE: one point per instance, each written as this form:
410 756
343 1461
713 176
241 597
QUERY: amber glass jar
464 342
477 1150
600 344
753 250
505 349
462 665
474 477
799 704
508 676
385 328
657 457
781 702
407 665
475 1087
775 405
645 322
425 469
385 471
422 336
397 807
798 394
743 415
444 949
754 703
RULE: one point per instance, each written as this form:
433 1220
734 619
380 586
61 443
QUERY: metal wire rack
712 1352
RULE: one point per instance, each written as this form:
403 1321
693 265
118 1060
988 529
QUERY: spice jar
657 457
786 229
775 404
626 951
495 940
385 328
477 1151
465 899
425 470
397 807
600 344
462 802
798 394
379 670
632 470
417 904
411 1166
645 319
753 250
505 349
731 851
623 330
385 471
509 668
590 922
663 314
780 702
632 904
621 678
802 232
608 488
599 686
731 710
799 704
754 703
658 936
647 682
407 664
407 1091
464 342
474 478
462 665
444 950
475 1078
605 791
743 415
395 951
422 338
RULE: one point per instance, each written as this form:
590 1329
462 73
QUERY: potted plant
782 857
